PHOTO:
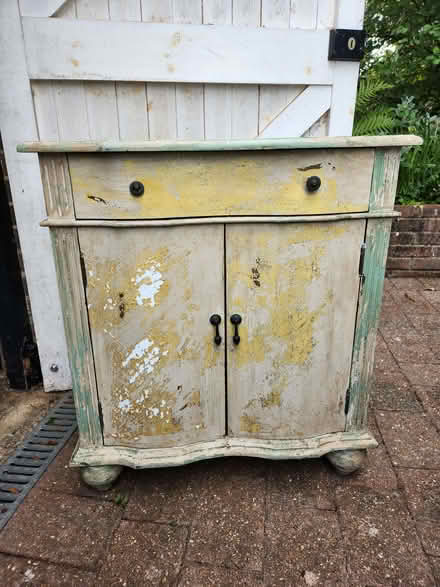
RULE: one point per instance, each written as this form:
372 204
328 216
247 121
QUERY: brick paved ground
252 522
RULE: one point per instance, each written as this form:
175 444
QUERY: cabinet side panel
150 295
68 265
384 181
295 287
55 177
377 239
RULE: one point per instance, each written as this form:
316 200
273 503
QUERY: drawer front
233 183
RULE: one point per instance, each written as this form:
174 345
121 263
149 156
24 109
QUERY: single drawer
232 183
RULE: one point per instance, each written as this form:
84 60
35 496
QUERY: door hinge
361 263
101 417
347 401
346 45
83 270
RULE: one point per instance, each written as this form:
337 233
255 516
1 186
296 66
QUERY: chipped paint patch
249 424
125 405
149 282
142 359
272 399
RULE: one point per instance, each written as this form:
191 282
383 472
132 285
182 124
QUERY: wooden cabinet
220 298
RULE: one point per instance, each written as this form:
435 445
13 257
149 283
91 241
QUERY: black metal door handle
215 320
236 320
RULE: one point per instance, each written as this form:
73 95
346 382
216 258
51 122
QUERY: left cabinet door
150 294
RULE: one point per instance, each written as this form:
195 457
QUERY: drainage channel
23 469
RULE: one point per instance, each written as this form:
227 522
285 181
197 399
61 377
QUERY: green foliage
371 117
419 177
403 49
402 58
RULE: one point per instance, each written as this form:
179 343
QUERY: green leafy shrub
371 116
419 176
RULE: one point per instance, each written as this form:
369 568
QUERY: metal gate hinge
83 270
361 263
101 417
347 401
346 45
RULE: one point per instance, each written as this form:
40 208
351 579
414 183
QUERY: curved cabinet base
347 461
143 458
101 477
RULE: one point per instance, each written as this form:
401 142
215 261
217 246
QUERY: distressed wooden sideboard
220 298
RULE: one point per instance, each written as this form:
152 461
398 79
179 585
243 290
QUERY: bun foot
347 461
101 478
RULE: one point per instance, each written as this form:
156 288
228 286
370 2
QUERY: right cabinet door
295 287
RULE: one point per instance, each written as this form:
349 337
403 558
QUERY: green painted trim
378 178
67 263
370 299
223 145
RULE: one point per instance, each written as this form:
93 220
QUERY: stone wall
415 242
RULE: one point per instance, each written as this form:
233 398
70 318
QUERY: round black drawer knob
136 188
313 183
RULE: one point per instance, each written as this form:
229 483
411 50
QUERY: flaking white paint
153 282
149 359
125 405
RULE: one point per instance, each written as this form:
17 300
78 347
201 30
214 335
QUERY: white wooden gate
153 69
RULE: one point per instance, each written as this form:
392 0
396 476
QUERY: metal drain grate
20 473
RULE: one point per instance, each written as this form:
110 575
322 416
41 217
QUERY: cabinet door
296 288
150 294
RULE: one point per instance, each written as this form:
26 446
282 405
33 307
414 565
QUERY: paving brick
429 533
63 479
407 283
198 576
144 554
425 322
23 571
433 297
430 398
61 529
435 566
383 359
391 315
426 263
417 225
410 438
303 547
377 474
409 211
395 264
410 301
372 425
421 374
228 526
166 495
380 539
422 492
408 346
392 391
403 238
412 250
305 483
388 285
430 282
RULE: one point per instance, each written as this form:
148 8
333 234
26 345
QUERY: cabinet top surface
224 145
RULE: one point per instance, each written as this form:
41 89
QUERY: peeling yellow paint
272 399
186 185
281 315
142 403
249 425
